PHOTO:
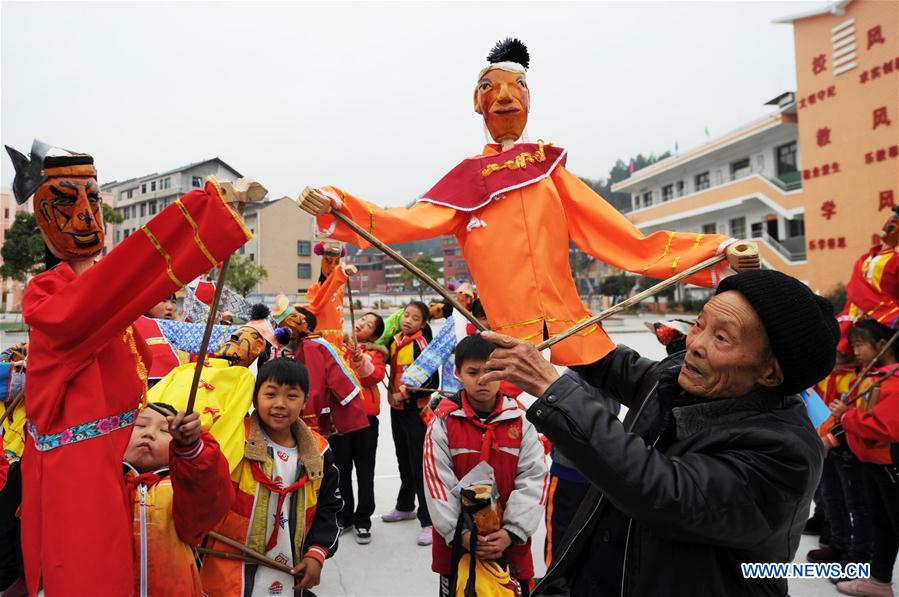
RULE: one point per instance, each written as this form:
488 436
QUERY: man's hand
309 573
519 363
314 202
493 545
743 256
837 408
185 429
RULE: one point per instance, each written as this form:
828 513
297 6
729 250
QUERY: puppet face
329 262
68 211
296 323
502 97
890 231
244 347
465 299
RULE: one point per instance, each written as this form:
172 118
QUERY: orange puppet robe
326 302
87 371
514 214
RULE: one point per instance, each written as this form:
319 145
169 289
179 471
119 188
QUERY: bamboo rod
626 304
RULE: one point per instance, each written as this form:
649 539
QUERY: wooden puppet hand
185 429
744 256
309 573
519 363
314 202
243 190
350 270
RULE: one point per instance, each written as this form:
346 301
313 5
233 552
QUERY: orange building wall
847 109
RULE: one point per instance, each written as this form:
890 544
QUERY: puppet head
890 232
252 340
67 204
501 95
289 316
465 295
330 252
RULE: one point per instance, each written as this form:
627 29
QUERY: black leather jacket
684 491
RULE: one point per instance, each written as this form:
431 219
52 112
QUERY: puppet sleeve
432 358
202 488
605 233
399 224
319 299
184 240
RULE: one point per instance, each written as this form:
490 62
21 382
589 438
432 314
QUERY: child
358 448
178 481
406 423
481 425
871 427
287 493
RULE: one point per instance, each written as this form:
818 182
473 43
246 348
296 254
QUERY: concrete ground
394 565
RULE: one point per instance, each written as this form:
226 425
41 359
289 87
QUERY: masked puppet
226 385
87 367
325 297
517 200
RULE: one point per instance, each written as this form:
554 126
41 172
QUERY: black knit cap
800 325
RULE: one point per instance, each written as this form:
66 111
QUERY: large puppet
87 367
325 297
514 209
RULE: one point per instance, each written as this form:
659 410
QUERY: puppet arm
183 241
399 224
319 298
603 232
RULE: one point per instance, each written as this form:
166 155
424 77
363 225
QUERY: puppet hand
519 363
350 270
243 190
744 256
314 201
184 428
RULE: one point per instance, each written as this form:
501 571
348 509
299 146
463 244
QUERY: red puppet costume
517 200
87 367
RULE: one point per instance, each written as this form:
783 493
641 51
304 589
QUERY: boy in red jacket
479 424
180 487
358 448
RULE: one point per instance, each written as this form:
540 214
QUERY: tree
425 264
111 216
620 171
617 285
23 249
647 282
243 274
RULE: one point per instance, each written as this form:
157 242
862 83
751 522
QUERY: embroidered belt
81 432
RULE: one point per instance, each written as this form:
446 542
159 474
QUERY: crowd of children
858 496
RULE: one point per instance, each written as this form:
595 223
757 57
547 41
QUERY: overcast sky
376 97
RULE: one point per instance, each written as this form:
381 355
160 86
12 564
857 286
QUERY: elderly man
716 462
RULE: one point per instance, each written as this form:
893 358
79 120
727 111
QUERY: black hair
282 371
379 325
868 330
477 309
425 312
511 50
166 407
311 319
472 348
